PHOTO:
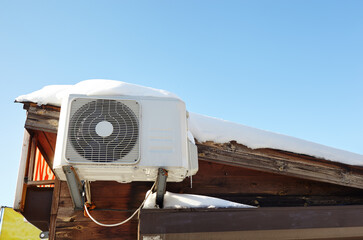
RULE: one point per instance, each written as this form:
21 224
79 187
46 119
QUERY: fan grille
104 130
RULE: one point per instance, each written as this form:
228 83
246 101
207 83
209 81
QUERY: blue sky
292 67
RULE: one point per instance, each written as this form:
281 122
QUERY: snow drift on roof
178 200
216 130
203 128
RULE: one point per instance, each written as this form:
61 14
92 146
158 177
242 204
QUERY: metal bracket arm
161 186
75 187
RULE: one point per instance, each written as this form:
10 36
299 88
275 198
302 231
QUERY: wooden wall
265 189
116 201
277 223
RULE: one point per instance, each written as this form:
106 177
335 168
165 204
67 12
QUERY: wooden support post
54 209
31 159
18 203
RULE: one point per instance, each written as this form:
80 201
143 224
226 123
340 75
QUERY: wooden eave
42 123
282 162
44 120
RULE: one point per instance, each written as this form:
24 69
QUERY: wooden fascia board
43 118
284 163
342 220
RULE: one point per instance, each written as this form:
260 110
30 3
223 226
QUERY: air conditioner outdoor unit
124 138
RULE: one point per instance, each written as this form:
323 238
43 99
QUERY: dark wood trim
354 233
32 159
54 209
176 221
283 163
42 182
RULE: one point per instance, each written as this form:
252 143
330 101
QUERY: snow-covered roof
203 128
206 128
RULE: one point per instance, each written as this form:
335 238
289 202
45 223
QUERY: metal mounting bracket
161 186
44 235
75 187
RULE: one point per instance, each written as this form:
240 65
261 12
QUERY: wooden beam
43 118
261 188
41 182
346 221
283 163
353 233
31 160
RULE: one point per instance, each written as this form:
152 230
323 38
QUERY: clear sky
292 67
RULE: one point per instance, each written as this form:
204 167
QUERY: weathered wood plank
264 189
217 178
40 182
302 167
292 201
163 221
31 159
21 186
49 109
54 210
114 201
43 118
89 230
46 145
349 233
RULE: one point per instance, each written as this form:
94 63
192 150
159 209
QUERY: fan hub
104 128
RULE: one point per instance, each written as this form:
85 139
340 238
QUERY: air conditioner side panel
163 134
59 160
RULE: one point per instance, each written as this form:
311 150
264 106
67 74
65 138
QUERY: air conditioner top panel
71 96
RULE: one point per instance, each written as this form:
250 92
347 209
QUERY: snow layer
54 94
177 200
216 130
203 128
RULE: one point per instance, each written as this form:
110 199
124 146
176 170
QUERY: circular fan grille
103 130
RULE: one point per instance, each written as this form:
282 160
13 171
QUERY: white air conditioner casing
124 138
